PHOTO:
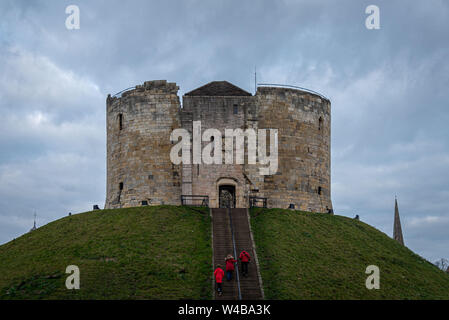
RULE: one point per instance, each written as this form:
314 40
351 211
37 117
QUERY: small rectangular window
120 121
120 186
236 109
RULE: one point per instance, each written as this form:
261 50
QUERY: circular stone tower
139 124
303 120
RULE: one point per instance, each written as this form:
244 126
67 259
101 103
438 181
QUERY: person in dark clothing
244 259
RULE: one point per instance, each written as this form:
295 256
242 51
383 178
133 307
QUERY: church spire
397 230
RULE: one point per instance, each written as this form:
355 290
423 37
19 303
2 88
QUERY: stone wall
216 112
138 154
138 149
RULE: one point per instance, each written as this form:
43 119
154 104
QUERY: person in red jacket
229 266
244 259
219 274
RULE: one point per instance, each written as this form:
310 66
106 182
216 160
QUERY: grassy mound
161 252
164 252
319 256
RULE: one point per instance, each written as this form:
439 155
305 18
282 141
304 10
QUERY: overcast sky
388 88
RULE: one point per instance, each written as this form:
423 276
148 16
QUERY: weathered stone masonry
139 124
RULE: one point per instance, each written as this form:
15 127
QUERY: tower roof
218 88
397 229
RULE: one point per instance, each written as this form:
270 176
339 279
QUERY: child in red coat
230 266
219 274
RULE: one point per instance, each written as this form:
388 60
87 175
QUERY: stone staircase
250 286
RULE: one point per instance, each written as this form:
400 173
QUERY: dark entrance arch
226 196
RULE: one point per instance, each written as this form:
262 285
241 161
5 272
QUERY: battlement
148 87
157 87
277 89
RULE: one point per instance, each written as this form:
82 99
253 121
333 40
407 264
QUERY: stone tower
304 123
397 230
139 124
140 121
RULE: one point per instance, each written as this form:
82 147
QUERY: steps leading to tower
250 286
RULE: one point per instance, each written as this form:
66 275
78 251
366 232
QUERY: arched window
319 190
320 123
120 121
120 186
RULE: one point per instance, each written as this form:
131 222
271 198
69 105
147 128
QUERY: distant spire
34 226
255 79
397 230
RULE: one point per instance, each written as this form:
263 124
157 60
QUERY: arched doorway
226 196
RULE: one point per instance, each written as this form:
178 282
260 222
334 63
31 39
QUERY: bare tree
443 264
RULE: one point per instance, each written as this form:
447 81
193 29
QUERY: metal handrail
119 94
235 253
253 202
204 200
292 87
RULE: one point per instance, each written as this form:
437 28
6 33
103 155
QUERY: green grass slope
320 256
161 252
164 252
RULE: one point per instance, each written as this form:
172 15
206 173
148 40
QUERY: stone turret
397 230
139 123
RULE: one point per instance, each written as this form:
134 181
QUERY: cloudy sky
388 88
